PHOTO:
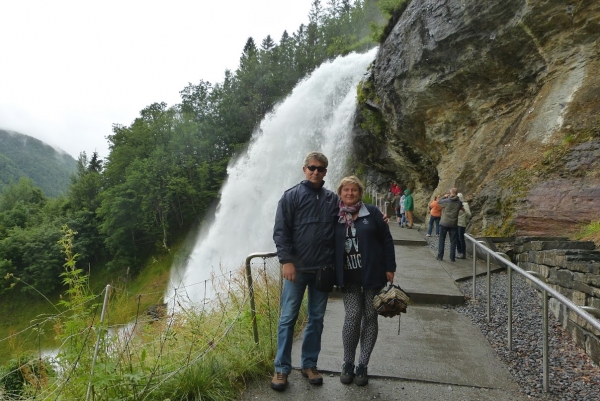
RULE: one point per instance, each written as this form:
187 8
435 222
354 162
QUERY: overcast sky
69 69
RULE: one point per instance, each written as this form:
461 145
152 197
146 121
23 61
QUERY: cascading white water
317 116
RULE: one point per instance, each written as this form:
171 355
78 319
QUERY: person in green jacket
409 207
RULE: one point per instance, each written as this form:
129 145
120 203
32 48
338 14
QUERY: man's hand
390 277
386 219
289 272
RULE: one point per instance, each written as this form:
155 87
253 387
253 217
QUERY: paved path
439 354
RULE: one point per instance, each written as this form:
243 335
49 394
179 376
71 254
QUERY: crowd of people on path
316 228
404 206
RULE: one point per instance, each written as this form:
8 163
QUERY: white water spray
317 116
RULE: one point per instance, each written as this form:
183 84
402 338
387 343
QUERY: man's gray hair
453 191
318 156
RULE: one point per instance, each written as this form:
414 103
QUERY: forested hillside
24 156
166 168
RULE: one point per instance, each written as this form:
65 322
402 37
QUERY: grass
590 232
19 331
206 352
151 281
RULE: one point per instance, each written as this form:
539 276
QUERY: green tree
83 201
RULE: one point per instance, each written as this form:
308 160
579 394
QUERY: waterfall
316 116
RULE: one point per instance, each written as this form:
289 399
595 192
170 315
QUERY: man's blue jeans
291 300
452 231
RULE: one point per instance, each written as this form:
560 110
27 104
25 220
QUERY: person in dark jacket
303 235
364 263
451 206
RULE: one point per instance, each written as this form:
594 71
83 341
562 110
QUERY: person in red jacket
395 189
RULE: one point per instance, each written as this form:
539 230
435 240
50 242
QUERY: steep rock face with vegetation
498 98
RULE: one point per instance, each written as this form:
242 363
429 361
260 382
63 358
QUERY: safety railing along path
587 313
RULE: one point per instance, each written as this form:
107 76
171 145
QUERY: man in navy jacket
303 235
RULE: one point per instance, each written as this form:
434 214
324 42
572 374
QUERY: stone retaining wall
573 269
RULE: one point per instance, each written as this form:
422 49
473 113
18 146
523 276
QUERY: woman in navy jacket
364 263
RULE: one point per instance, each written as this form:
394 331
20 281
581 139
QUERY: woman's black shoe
361 378
347 373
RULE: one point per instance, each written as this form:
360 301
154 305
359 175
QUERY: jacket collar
363 211
309 185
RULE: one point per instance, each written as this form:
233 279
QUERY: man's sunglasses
320 169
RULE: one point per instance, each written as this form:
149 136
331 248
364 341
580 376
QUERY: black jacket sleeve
282 231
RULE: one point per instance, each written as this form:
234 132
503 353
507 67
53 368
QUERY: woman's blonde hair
351 180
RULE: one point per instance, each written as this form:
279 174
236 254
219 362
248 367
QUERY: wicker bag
391 301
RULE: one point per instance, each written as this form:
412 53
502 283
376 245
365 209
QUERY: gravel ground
572 374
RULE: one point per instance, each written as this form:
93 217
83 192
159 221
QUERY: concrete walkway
439 354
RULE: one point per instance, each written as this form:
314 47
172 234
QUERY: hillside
24 156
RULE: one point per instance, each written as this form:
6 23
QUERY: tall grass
202 352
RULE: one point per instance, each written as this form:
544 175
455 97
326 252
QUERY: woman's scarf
346 213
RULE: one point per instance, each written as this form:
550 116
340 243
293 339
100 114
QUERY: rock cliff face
500 98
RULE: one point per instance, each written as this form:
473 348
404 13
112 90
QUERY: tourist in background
463 219
435 214
402 214
409 206
396 206
451 205
394 189
364 263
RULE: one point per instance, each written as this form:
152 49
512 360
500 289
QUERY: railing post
104 306
509 301
489 290
474 266
475 263
252 303
510 306
545 349
540 277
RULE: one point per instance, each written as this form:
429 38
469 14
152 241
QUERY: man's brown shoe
279 381
314 377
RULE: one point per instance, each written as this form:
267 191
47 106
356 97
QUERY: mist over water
317 116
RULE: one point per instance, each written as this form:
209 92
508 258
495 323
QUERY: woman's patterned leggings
360 323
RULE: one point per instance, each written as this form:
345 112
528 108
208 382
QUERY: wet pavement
438 355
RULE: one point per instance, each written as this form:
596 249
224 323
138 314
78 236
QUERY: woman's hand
386 219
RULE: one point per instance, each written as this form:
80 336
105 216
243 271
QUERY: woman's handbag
391 301
325 278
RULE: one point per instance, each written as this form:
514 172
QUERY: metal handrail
249 258
585 312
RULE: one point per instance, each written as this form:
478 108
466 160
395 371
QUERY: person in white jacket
463 219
